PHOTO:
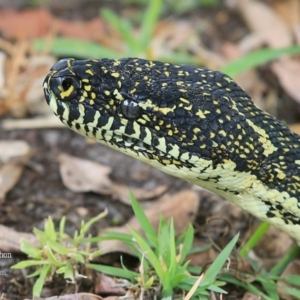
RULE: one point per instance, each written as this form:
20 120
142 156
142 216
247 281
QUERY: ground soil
40 191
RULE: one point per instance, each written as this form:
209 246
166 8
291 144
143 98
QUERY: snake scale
193 123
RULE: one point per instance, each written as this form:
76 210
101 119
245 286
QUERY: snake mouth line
116 139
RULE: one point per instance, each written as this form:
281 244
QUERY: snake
193 123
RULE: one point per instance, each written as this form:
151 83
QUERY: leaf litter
20 96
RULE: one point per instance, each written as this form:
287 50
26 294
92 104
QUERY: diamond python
196 124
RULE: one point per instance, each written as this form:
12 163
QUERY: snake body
196 124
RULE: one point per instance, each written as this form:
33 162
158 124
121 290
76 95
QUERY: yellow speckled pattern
196 124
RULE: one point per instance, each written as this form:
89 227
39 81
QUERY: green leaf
124 28
30 250
171 247
113 271
77 256
49 230
69 272
187 243
41 236
218 263
244 284
288 257
292 279
177 278
35 273
110 235
142 219
52 258
86 227
292 291
38 286
58 248
270 287
150 19
254 239
67 47
29 263
257 58
95 254
149 254
62 225
217 289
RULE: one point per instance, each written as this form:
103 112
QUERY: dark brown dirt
41 193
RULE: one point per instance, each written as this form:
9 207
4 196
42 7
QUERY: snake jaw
103 134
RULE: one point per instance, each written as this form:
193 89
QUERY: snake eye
130 109
66 83
64 87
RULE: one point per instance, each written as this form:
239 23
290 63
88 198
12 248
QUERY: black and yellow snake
192 123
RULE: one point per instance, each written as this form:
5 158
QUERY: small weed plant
164 266
163 260
58 252
163 257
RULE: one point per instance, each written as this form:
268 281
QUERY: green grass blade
38 286
213 270
29 263
142 218
109 235
293 279
113 271
123 26
257 58
150 19
86 226
246 285
67 47
171 245
293 252
49 230
292 291
187 243
31 250
62 224
149 254
270 287
255 238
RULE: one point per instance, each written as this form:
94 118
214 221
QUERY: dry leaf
49 121
81 175
10 174
182 207
121 192
10 239
289 11
266 24
14 148
250 296
202 258
79 296
30 23
107 285
275 244
288 73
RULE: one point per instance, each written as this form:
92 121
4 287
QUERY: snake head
133 105
164 114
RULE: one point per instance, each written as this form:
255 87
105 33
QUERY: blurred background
255 42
